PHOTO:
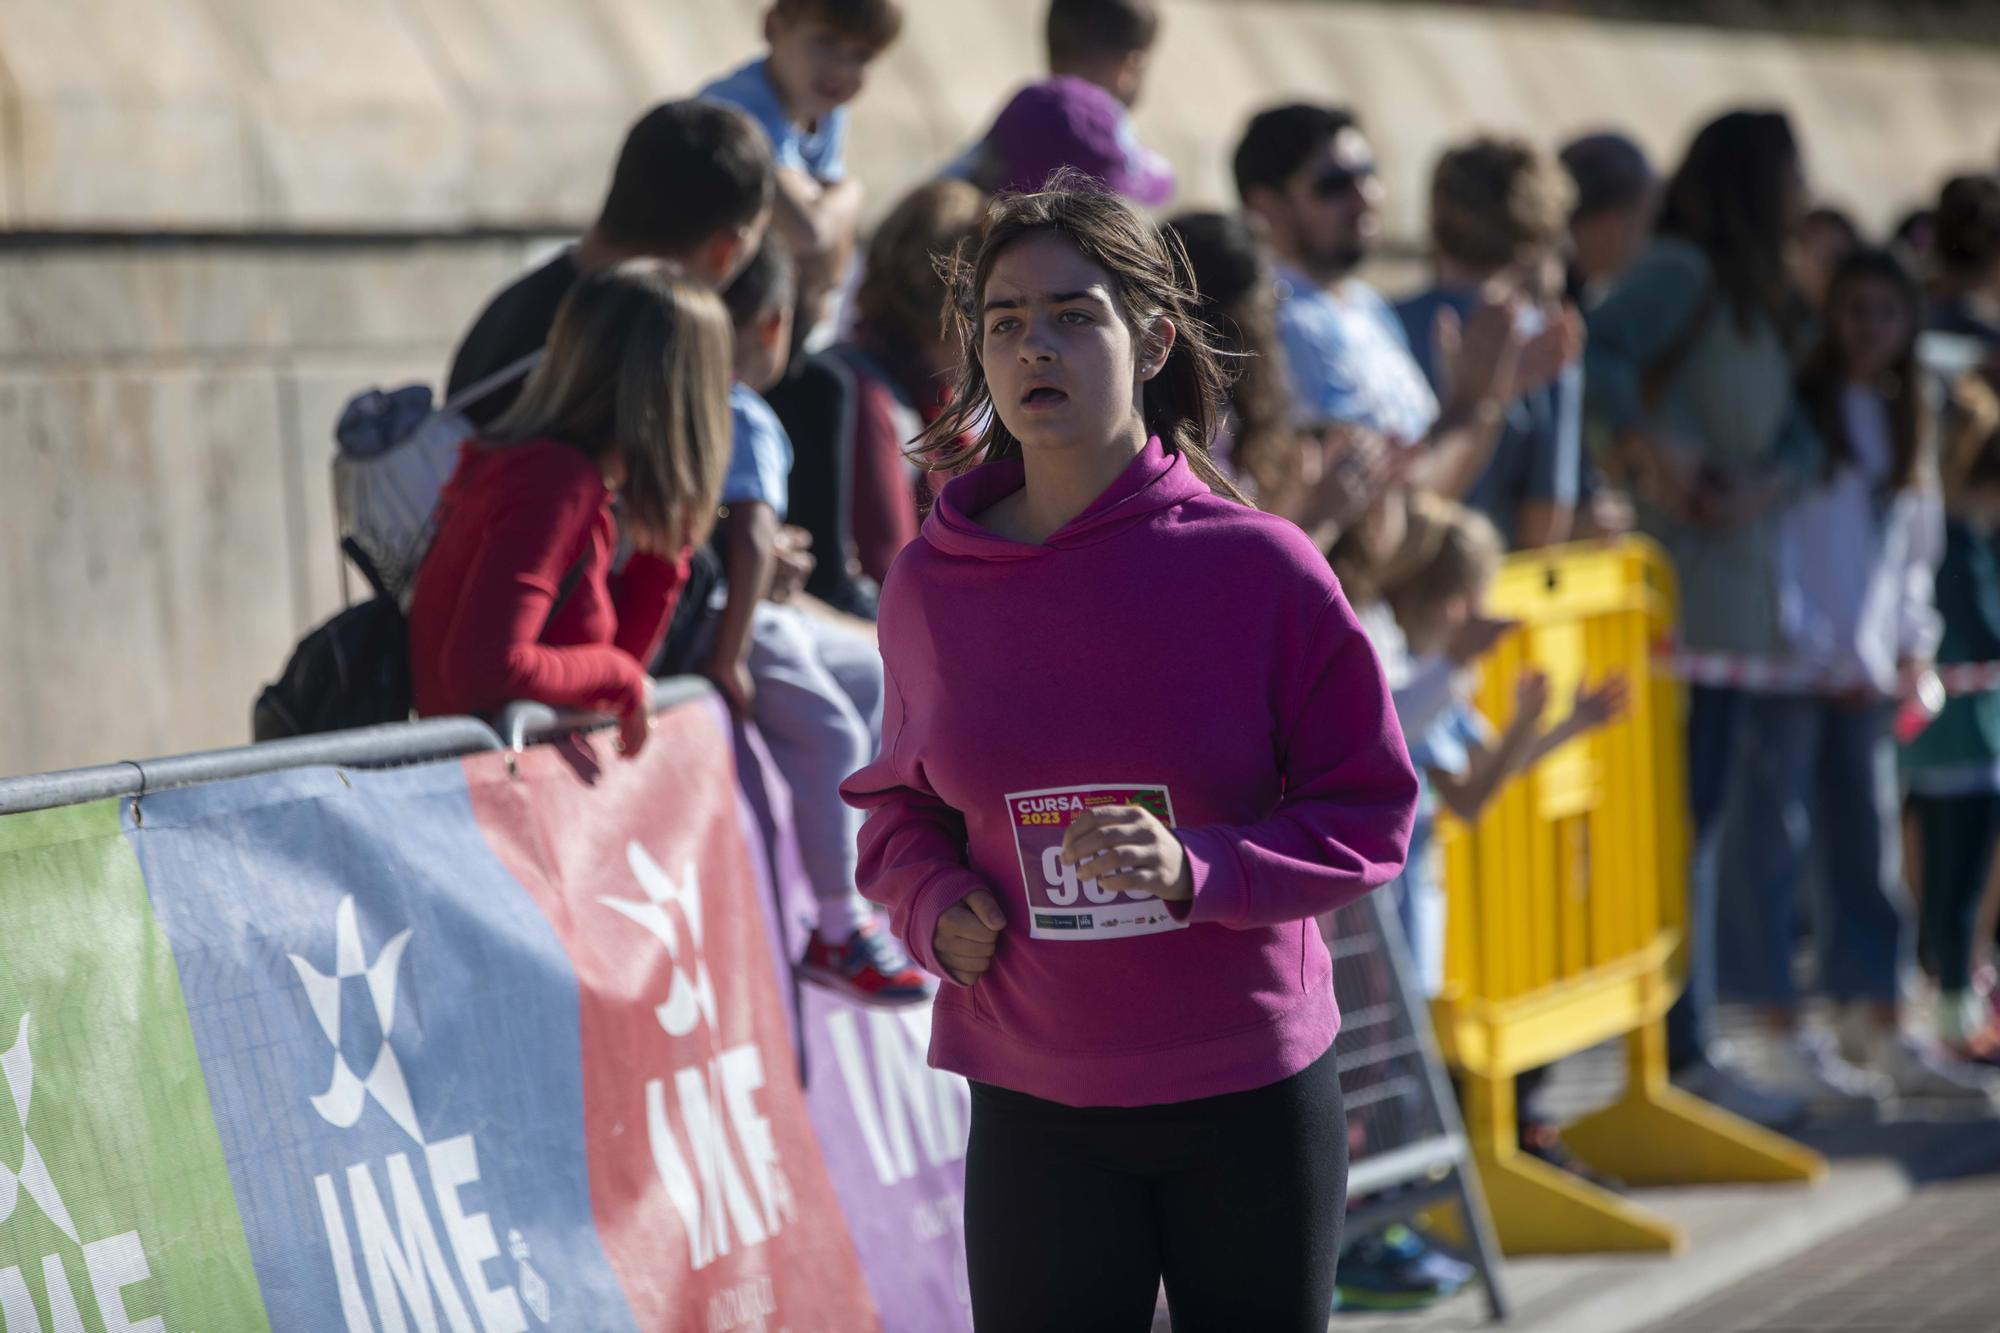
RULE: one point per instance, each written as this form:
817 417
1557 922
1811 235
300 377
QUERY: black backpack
353 671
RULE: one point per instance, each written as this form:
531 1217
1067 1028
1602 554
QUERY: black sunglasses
1338 182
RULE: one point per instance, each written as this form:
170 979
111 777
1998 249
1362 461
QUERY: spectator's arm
644 593
749 557
1478 358
1458 449
913 859
1342 826
1487 769
1919 626
813 217
1548 510
492 650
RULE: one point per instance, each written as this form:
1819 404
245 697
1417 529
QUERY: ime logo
714 1118
405 1261
111 1264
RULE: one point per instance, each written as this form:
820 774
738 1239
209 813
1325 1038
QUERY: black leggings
1959 835
1074 1214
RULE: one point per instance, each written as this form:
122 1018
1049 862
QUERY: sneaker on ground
868 967
1716 1080
1810 1065
1922 1070
1979 1047
1396 1268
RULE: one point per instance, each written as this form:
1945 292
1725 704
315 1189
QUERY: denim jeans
1816 790
1713 714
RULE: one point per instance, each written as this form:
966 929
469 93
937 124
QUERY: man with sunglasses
1306 175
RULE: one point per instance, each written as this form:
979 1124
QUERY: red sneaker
869 968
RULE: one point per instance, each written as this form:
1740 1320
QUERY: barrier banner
892 1130
700 1138
443 1047
115 1205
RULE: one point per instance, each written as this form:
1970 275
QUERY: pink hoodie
1167 647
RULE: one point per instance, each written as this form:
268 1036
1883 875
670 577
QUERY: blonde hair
638 366
1448 551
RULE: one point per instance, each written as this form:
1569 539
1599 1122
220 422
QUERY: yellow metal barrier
1566 903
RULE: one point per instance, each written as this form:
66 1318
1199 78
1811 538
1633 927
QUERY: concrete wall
165 403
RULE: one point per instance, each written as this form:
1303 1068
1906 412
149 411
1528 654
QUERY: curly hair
1494 200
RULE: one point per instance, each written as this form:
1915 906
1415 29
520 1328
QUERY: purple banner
891 1129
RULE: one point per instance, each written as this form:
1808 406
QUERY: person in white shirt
1856 556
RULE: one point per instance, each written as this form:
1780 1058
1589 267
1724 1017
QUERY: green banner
116 1211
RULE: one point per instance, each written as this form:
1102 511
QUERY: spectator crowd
694 454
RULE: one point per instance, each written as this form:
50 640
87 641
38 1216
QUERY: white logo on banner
716 1098
346 1094
114 1263
690 998
405 1261
17 1062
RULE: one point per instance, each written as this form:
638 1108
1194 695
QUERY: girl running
1134 743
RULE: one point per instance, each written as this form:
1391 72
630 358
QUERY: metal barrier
517 726
1565 911
523 724
1406 1146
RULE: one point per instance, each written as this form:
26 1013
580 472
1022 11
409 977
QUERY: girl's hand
1599 707
1531 699
967 933
633 729
1545 354
793 548
1127 848
635 715
738 690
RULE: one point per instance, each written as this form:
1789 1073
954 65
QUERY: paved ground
1931 1265
1903 1237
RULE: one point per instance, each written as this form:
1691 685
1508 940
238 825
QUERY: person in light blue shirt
820 51
760 457
1350 359
817 150
1307 174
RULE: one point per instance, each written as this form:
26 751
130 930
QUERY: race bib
1061 906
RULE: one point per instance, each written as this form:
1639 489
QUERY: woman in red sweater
622 428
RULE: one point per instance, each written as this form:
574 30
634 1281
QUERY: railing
394 743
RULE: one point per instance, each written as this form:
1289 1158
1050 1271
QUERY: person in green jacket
1952 768
1688 375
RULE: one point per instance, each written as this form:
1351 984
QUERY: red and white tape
1781 675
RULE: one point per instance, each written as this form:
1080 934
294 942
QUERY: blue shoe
1397 1269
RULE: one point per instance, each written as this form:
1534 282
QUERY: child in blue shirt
812 685
798 92
1449 558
